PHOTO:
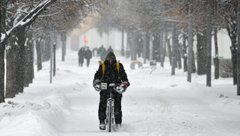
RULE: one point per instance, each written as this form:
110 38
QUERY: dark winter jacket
88 54
102 52
111 74
81 53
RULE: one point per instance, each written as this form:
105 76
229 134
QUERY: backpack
104 67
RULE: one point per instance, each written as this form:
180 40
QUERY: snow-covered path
154 105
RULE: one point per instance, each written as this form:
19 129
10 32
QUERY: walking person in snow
102 52
81 53
88 55
110 49
113 73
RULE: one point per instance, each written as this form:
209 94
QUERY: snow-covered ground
156 104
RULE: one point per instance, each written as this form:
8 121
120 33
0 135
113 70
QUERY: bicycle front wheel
109 117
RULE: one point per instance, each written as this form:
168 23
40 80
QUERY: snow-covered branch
28 19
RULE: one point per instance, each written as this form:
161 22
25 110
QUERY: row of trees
25 23
154 27
168 27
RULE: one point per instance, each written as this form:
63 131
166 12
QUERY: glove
97 88
125 84
122 88
96 85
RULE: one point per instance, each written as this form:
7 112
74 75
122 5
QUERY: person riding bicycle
110 71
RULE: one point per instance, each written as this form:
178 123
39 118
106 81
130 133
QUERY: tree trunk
193 63
139 45
216 59
156 48
32 62
201 53
174 49
169 51
2 55
51 63
184 53
46 49
12 59
163 54
179 57
150 47
21 38
134 45
232 32
2 72
54 59
131 44
190 44
28 57
127 52
64 48
144 48
238 51
39 54
209 45
234 62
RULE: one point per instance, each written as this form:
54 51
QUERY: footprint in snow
174 85
222 96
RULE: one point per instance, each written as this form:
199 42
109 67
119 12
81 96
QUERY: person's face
110 61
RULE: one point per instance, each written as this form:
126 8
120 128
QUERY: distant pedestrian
81 54
109 50
102 52
88 56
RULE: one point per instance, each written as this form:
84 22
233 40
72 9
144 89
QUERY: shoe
102 125
118 126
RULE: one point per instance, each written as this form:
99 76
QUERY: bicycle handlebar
112 85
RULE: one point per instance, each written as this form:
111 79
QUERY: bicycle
110 119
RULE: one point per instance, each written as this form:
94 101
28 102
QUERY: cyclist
110 71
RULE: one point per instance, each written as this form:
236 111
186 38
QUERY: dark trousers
88 62
80 62
117 106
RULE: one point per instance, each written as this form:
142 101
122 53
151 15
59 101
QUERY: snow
156 104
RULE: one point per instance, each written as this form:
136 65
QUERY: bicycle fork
110 114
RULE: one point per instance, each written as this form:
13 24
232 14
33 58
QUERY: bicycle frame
110 120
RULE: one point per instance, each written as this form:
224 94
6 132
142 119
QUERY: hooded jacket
111 74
